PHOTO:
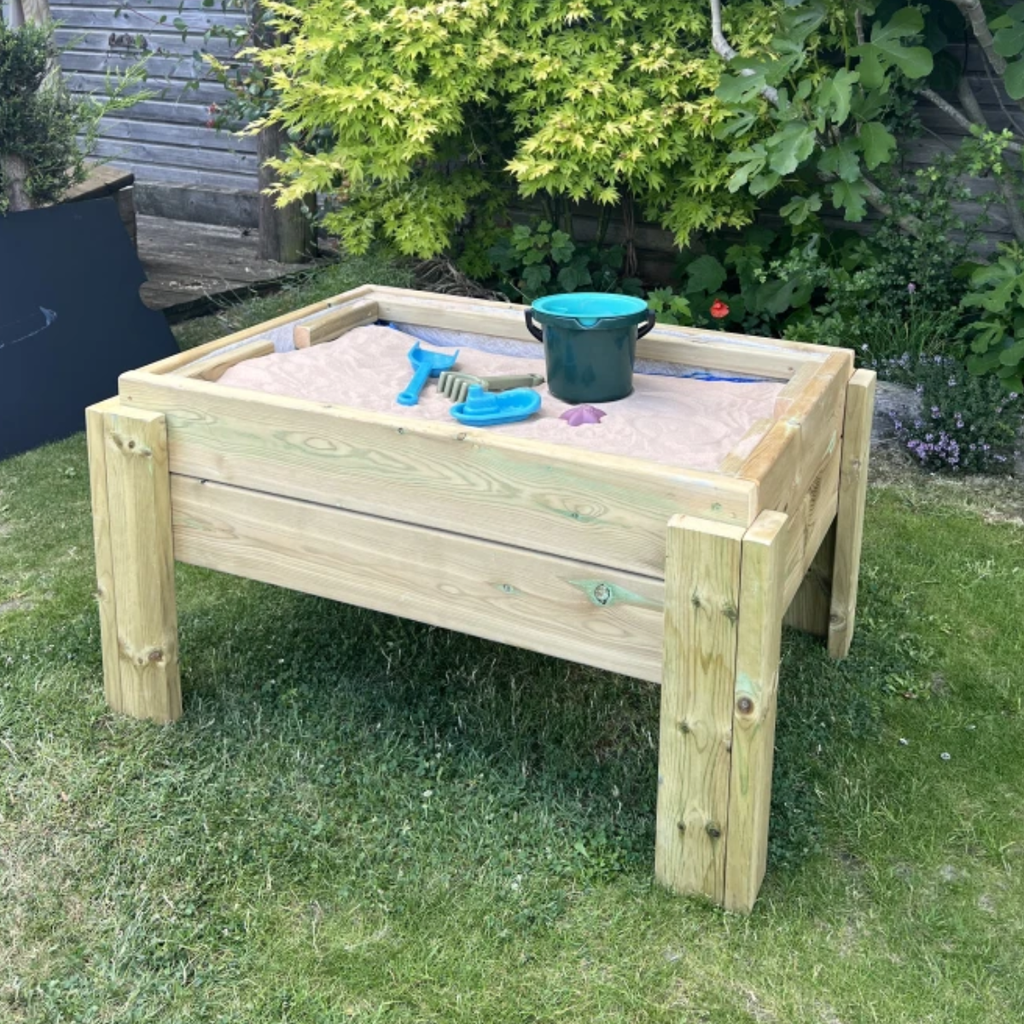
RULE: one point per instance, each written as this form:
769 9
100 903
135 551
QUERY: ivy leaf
842 160
1014 79
878 144
849 197
705 274
790 147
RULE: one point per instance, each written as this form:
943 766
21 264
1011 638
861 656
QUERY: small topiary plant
45 133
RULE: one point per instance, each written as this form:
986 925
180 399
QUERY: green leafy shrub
423 110
997 291
44 131
37 122
536 260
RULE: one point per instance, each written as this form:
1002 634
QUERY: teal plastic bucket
589 343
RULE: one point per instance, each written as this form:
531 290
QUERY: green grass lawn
361 818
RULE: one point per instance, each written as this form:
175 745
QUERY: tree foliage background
418 115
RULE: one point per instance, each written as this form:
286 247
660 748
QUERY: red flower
719 309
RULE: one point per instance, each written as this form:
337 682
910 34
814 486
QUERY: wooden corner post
849 529
702 593
723 619
131 503
762 580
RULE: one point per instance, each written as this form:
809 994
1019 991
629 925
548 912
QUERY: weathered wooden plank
853 483
95 85
702 593
554 605
189 266
602 509
200 158
153 9
170 112
754 706
147 173
137 21
159 68
142 560
199 204
133 43
146 131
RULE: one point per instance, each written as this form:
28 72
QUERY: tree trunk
14 172
36 12
286 233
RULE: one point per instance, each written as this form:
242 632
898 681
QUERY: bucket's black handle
647 327
532 327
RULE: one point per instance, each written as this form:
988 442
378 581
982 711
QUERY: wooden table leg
723 619
762 579
134 560
853 485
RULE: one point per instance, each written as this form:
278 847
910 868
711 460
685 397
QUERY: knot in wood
744 705
602 593
681 826
684 728
713 830
731 612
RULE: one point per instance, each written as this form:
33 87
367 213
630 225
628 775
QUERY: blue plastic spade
427 365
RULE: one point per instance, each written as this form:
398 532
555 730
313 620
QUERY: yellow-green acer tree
417 114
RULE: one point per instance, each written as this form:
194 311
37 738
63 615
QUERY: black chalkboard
71 319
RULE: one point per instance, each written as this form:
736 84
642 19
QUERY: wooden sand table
676 566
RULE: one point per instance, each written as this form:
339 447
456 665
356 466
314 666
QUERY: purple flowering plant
968 424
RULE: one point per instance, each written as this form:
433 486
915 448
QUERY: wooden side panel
96 439
808 525
599 509
213 367
702 593
753 737
142 560
791 454
715 350
557 606
853 483
812 603
176 362
335 322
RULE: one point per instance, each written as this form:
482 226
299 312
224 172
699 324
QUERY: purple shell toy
580 414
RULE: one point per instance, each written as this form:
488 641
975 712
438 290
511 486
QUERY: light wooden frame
666 574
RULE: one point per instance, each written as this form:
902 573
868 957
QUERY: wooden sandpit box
670 574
